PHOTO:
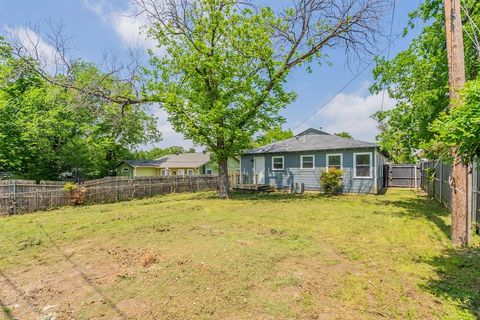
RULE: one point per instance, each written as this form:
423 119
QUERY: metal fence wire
435 181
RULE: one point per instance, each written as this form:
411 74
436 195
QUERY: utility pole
461 223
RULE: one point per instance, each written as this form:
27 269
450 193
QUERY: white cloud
34 45
125 22
170 136
351 112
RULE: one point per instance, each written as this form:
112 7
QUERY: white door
259 169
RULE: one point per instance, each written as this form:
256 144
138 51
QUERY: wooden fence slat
19 196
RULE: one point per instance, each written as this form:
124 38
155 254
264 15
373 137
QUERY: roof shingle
182 160
311 140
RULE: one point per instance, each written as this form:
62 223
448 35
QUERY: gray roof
184 160
181 160
140 163
311 140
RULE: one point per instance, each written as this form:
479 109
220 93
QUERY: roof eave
309 150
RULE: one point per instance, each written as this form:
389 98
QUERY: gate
402 175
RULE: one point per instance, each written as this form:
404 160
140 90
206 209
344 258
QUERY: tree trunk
224 182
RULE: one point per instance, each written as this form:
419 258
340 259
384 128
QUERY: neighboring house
301 159
174 164
5 175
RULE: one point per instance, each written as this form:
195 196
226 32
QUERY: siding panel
311 178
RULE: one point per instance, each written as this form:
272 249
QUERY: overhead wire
387 48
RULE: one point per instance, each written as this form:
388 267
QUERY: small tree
331 180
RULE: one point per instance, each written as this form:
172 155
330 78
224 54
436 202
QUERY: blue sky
98 26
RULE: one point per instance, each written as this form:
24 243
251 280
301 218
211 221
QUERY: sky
99 26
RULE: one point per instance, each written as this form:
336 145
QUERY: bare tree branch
50 58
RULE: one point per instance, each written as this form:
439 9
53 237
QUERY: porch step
255 187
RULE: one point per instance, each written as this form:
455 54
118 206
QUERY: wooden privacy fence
19 196
402 175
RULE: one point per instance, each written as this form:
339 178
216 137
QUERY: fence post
415 176
149 186
14 202
116 188
441 181
36 198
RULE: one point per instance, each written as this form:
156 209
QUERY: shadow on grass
278 196
421 207
7 312
457 270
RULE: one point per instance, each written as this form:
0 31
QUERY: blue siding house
301 159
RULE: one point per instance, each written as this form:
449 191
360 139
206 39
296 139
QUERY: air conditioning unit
297 188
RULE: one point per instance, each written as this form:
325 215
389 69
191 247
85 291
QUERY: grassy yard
192 256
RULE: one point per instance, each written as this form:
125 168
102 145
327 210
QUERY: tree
417 79
344 134
221 81
46 130
272 135
460 128
156 152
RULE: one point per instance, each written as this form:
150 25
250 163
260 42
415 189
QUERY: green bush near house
331 181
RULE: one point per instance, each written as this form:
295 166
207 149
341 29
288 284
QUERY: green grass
193 256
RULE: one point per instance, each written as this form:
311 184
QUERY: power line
346 85
389 46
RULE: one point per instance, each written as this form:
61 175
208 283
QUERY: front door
259 169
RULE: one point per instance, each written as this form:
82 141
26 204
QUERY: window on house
208 171
363 163
181 172
277 163
307 162
126 169
190 172
334 161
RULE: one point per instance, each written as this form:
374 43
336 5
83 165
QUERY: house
301 159
174 164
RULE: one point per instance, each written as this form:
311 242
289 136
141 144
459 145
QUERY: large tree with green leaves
221 79
46 130
417 79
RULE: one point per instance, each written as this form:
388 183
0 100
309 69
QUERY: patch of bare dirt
75 281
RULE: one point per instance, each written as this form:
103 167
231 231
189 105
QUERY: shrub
70 187
331 180
77 194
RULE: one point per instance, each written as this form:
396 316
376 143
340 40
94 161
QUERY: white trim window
181 172
126 169
278 163
307 162
335 161
190 172
208 171
362 165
